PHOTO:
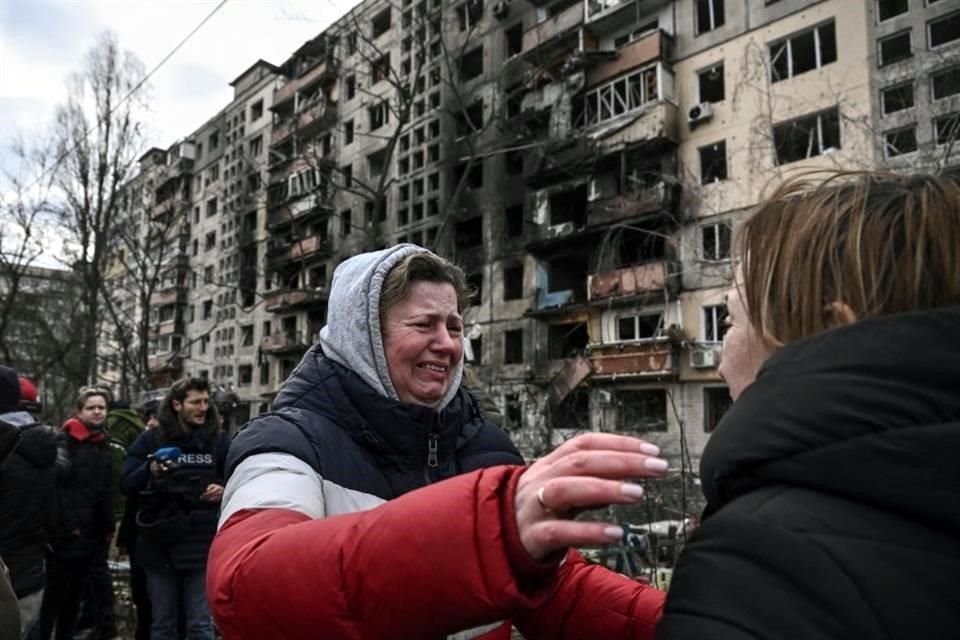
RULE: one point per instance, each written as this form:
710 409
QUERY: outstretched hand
585 472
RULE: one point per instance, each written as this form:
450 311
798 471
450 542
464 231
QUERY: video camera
177 481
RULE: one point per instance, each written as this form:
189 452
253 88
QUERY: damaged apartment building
585 161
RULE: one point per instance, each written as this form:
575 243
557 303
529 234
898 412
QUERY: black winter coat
833 486
204 453
84 496
28 503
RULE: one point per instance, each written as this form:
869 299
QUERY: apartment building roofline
259 63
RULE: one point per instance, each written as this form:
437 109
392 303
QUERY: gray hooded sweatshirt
352 335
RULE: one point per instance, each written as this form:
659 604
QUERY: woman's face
422 337
94 410
743 350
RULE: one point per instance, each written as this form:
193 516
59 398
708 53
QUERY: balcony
280 251
635 280
325 71
319 115
656 46
284 342
662 196
291 299
164 328
169 294
555 36
164 362
558 161
643 359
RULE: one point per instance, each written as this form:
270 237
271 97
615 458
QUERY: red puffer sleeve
430 563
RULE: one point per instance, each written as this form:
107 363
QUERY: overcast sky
43 41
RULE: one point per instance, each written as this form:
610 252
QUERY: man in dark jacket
27 496
176 470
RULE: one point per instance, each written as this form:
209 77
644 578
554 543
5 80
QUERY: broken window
476 350
569 206
244 375
710 15
514 220
380 68
573 413
469 14
469 233
471 64
642 409
514 162
346 224
566 340
380 23
803 52
568 273
900 141
470 119
887 9
210 242
433 181
711 84
348 132
379 115
713 162
716 401
256 110
946 130
514 411
513 346
894 49
351 83
945 83
716 240
616 98
513 282
944 30
898 98
807 137
714 322
474 177
475 285
639 326
514 39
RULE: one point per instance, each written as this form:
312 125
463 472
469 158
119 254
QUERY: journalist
176 473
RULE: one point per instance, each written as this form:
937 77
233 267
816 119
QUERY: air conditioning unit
700 113
703 358
501 10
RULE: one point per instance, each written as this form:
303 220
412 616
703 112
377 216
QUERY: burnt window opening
716 402
807 137
711 84
475 285
470 119
514 411
471 64
469 234
639 326
887 9
476 349
899 142
568 273
472 177
710 15
469 14
346 224
380 23
513 282
945 83
380 69
946 130
566 340
944 30
897 98
803 52
715 241
514 99
514 39
348 132
569 206
351 87
574 412
514 220
513 346
894 49
376 163
713 162
642 410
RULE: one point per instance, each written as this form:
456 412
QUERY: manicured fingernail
650 449
656 464
614 533
633 491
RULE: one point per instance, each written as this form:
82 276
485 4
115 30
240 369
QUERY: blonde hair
88 392
878 243
422 267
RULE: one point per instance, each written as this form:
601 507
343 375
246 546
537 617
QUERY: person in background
376 467
85 513
28 480
176 472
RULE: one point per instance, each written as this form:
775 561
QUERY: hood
869 412
170 421
124 425
38 444
352 335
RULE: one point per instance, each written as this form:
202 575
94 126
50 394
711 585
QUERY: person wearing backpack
176 473
27 495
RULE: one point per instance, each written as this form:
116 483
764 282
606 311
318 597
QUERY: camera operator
176 472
